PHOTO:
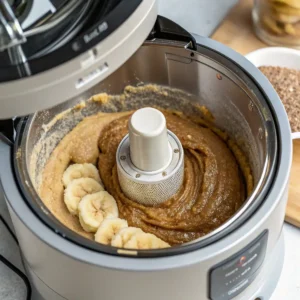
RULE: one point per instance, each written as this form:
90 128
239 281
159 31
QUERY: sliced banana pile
98 213
281 17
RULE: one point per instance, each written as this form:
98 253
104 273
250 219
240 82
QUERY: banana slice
77 189
108 229
124 235
286 9
77 171
291 3
94 208
284 18
271 25
135 238
144 240
290 29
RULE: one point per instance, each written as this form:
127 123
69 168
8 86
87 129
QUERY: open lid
61 49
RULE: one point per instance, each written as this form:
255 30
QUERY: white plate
276 57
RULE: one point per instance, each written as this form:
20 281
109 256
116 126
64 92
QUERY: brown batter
212 191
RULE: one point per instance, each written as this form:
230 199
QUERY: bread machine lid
53 53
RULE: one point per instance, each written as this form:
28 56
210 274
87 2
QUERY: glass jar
277 22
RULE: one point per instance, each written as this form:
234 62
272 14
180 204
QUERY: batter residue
216 180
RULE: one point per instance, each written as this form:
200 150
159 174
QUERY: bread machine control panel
231 277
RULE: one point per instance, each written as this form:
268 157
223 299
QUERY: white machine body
65 266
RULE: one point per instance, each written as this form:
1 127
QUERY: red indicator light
242 260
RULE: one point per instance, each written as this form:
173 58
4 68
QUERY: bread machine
127 43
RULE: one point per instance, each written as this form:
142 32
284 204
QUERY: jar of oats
277 22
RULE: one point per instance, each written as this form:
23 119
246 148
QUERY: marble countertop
200 17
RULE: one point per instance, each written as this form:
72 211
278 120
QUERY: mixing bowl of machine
198 78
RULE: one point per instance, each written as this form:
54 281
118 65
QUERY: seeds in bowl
286 82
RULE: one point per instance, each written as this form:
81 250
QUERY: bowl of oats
282 68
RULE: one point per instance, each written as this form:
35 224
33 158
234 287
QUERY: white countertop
288 287
200 17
